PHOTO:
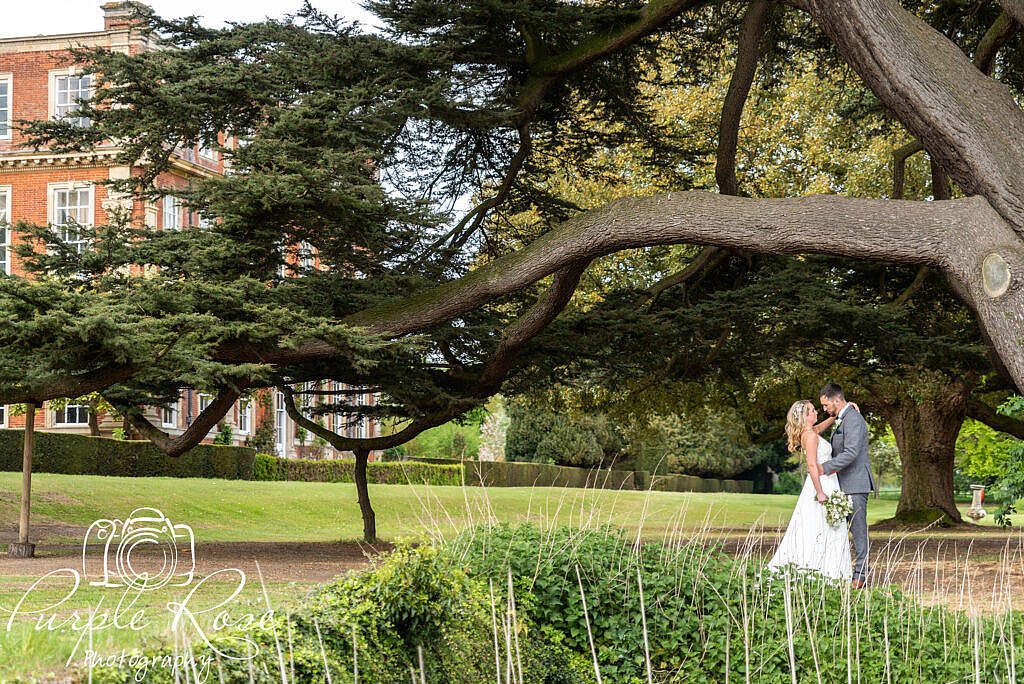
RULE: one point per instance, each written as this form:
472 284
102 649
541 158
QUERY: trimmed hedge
523 474
343 470
71 454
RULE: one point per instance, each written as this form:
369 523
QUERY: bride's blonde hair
796 423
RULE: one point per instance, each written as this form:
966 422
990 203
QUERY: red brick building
38 82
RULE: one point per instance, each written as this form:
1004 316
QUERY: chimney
118 14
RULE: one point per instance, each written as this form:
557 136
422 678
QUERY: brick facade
36 72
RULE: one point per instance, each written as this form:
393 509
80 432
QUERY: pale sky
74 16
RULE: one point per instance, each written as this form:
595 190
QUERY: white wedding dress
810 543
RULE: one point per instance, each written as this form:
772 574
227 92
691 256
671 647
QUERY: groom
850 460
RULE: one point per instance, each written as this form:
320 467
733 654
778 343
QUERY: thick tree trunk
369 520
926 433
23 548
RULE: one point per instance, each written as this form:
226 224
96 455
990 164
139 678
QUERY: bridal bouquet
838 506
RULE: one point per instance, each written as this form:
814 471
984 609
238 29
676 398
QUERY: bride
810 542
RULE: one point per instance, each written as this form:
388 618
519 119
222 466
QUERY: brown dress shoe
857 583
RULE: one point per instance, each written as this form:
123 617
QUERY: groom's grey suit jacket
850 455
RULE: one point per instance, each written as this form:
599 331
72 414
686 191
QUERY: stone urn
976 511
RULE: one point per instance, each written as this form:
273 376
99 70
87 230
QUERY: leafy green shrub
790 482
717 447
540 436
414 597
85 455
707 616
224 433
343 470
982 453
700 603
263 438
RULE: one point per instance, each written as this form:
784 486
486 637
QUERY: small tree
224 433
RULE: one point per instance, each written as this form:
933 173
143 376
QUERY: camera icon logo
145 552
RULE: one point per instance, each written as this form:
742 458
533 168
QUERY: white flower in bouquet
838 507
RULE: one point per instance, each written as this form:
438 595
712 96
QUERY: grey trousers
859 531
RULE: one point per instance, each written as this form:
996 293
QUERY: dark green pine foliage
359 147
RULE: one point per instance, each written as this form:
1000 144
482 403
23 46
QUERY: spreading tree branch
193 434
1015 8
488 380
970 123
983 413
897 231
70 385
739 88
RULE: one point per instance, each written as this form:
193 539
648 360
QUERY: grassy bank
231 510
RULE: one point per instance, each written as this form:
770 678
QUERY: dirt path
278 561
977 573
963 571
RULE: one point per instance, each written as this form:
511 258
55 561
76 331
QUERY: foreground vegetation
559 605
222 510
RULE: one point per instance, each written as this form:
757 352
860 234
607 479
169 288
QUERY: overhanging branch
488 380
1015 8
194 434
983 413
887 230
969 122
70 386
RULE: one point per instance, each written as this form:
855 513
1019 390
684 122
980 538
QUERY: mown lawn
228 510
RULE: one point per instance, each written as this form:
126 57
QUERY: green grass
231 510
226 510
26 649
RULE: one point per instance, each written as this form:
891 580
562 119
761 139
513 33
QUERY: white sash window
5 230
5 106
72 209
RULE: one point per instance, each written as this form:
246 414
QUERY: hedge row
523 474
72 454
394 472
690 483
